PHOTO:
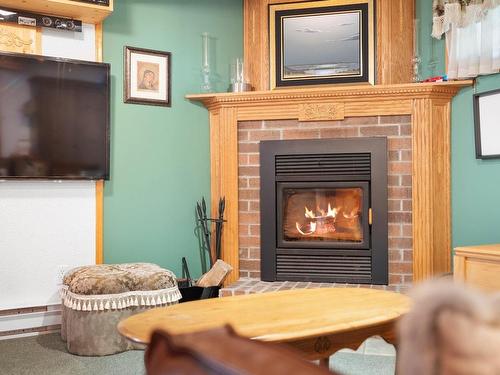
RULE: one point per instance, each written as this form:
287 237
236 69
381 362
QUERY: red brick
399 217
400 167
253 159
249 265
254 182
255 206
399 192
249 218
249 193
367 120
399 267
248 147
394 155
244 229
242 182
407 230
300 134
254 253
403 119
395 255
319 124
401 243
339 132
394 205
406 155
407 205
405 129
406 180
247 125
395 230
407 279
393 180
263 135
281 124
244 253
254 274
408 255
254 230
244 273
244 205
243 135
387 130
399 143
242 159
395 279
249 171
249 241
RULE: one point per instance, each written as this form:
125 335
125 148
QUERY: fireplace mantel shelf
352 92
428 104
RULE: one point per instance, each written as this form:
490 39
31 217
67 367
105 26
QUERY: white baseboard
26 321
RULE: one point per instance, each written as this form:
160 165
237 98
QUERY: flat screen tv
54 118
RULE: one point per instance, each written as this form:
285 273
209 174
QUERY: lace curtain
472 29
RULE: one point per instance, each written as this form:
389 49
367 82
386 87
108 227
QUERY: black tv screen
54 118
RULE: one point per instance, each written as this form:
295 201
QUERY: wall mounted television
54 118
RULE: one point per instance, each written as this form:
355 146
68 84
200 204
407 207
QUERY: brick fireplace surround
415 118
398 131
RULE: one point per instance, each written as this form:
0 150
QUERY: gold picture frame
322 42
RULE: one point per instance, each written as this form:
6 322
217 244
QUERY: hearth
324 210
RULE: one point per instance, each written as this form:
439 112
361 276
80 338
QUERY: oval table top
276 316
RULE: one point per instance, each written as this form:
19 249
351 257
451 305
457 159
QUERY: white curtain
472 38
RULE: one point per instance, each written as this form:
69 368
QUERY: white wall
45 224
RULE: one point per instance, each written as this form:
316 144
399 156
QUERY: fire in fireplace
323 215
318 199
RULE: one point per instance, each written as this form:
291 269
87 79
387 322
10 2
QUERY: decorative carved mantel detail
429 107
321 111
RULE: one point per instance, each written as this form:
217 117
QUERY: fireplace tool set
209 284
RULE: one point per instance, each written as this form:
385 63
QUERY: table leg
325 362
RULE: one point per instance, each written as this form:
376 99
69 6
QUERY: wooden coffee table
318 322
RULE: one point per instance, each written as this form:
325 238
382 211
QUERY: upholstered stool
96 298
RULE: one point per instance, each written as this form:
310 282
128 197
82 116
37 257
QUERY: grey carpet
47 355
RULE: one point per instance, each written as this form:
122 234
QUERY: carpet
47 355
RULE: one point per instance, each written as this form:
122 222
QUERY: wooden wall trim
99 199
429 106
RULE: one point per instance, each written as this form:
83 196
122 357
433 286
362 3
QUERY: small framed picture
487 124
147 77
322 42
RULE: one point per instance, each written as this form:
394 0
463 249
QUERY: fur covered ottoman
96 298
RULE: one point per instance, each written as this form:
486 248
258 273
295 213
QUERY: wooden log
216 275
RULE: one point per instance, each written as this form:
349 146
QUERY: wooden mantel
429 107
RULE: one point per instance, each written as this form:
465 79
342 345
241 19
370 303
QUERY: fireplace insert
324 210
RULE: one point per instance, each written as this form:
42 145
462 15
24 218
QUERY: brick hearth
252 286
398 131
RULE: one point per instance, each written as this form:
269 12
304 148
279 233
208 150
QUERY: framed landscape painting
147 77
322 42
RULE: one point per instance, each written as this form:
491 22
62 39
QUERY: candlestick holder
206 71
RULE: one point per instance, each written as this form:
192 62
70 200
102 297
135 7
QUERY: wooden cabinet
86 12
478 266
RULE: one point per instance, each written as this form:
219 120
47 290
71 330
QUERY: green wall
160 156
475 183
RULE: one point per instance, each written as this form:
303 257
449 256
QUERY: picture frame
486 124
322 42
147 77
